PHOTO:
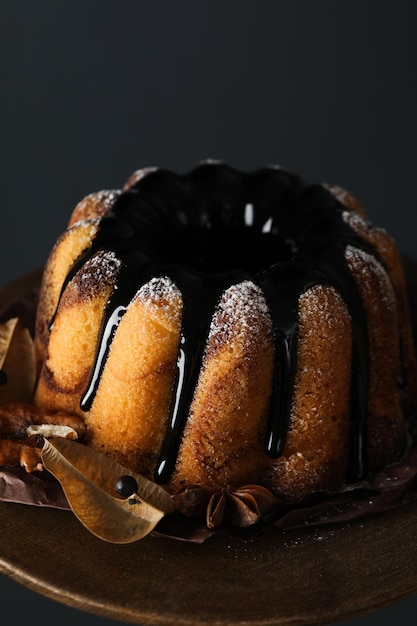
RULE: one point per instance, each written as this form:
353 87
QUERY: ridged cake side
135 389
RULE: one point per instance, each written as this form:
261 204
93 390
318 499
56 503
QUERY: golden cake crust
316 451
129 414
225 433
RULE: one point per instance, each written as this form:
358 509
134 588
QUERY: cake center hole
221 250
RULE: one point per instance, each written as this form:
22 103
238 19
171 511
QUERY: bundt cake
219 329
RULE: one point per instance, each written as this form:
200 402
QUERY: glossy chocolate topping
213 228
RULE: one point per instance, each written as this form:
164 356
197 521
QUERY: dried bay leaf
17 362
88 479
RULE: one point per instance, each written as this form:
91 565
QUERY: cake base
300 577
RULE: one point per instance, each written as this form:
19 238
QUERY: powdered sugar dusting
345 198
314 305
159 292
102 267
357 223
89 226
242 311
107 197
365 265
353 254
95 204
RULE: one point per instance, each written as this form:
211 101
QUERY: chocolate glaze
213 228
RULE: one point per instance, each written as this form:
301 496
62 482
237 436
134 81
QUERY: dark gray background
93 89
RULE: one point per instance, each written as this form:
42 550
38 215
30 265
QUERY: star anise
242 507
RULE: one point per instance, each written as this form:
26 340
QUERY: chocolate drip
282 285
200 297
188 367
213 228
107 333
284 376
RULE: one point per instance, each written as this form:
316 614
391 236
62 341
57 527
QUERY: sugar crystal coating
242 310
